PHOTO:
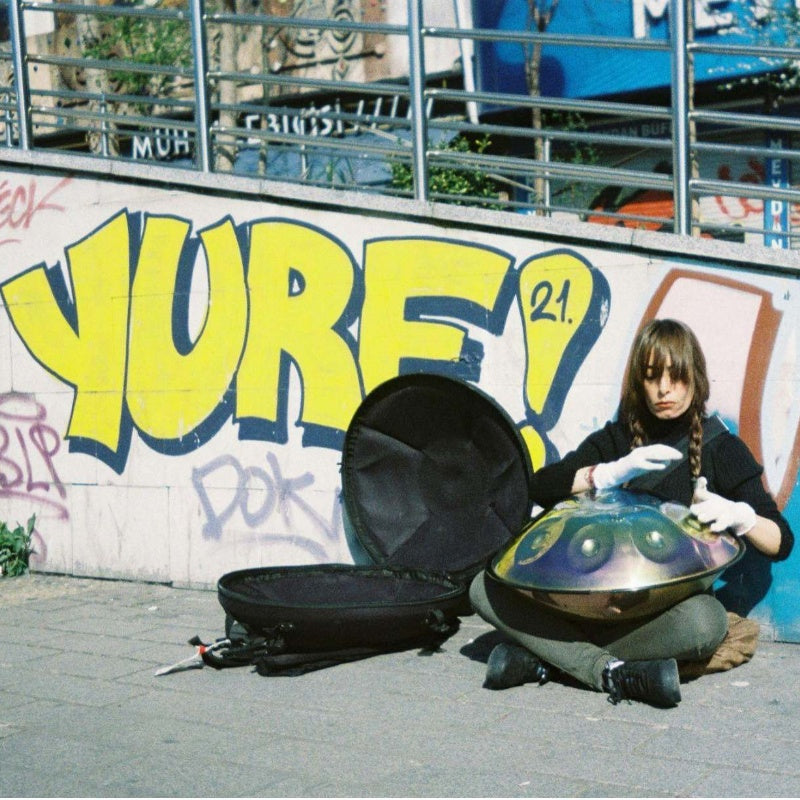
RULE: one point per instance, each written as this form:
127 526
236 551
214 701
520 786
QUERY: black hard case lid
435 475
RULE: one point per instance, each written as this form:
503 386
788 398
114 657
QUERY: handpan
614 555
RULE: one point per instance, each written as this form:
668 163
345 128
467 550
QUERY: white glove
722 514
637 462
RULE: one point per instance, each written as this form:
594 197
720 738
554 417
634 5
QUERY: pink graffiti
658 203
27 447
21 203
739 208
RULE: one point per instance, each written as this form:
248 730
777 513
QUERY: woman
663 401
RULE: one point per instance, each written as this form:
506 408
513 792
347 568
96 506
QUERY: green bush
463 185
15 548
144 41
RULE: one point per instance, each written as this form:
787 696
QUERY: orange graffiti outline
757 363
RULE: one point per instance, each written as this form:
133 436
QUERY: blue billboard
583 72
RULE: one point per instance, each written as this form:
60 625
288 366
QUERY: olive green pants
689 631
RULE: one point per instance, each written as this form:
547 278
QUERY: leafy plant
569 192
145 41
15 548
464 182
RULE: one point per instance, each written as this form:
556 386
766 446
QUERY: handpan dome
614 555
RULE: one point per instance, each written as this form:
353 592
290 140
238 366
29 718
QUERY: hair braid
637 431
695 443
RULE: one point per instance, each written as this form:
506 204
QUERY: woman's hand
739 518
639 461
721 514
614 473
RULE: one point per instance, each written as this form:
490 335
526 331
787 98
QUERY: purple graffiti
280 494
38 555
27 448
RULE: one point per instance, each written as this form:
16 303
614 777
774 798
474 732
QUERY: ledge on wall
566 231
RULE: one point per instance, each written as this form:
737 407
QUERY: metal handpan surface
614 555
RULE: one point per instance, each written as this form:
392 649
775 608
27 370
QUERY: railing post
8 121
546 198
20 54
467 50
201 102
104 147
419 122
680 117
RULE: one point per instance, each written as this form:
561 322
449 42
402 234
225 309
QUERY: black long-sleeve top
726 462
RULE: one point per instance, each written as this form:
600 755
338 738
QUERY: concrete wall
178 368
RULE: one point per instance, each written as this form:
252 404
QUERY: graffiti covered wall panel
177 373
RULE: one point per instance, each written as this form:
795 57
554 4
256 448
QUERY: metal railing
315 103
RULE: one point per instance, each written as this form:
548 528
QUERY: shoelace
621 686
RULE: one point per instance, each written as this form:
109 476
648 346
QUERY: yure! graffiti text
281 294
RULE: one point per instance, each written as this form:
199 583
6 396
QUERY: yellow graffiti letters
202 327
170 393
300 284
90 357
397 271
555 292
535 444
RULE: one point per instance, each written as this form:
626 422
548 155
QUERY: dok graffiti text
280 293
257 494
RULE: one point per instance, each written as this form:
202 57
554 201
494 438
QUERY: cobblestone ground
82 714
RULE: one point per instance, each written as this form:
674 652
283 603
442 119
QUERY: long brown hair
664 339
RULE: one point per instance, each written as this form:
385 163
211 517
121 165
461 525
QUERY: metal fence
172 80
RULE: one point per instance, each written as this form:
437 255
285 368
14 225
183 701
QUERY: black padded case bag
435 479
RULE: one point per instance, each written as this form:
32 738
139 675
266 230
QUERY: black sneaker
512 665
655 682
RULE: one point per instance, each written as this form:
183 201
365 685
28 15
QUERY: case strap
268 652
712 428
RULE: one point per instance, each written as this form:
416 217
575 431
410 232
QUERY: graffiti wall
177 371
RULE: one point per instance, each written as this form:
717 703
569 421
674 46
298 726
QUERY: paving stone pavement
82 714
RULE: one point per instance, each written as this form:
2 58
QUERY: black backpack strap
712 427
292 664
269 653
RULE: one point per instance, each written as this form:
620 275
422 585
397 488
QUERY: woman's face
666 398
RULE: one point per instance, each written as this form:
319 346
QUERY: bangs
662 342
674 350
